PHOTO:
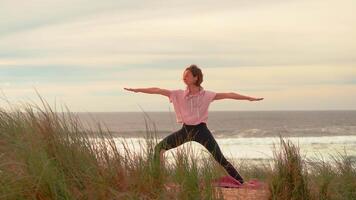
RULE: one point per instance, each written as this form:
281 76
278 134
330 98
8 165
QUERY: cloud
294 32
86 51
32 14
279 94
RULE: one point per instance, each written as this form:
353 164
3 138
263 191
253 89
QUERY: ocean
241 135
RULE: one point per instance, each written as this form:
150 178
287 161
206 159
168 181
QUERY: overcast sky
297 54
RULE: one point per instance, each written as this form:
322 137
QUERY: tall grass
293 177
334 180
45 154
289 177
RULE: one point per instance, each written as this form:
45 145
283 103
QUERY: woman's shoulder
176 90
175 93
209 92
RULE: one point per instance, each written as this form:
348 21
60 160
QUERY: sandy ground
243 193
236 193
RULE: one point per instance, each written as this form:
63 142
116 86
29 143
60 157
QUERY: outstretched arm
151 90
233 95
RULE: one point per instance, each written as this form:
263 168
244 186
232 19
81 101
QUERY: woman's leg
205 138
173 140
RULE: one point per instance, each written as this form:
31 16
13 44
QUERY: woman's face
188 78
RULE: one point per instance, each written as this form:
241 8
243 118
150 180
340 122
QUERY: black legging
199 133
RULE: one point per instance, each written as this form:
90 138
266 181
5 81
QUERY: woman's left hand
255 99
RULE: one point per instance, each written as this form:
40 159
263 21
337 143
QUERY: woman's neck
193 89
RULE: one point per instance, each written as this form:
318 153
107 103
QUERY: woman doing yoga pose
191 108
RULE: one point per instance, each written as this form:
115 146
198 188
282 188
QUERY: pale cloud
295 32
281 75
274 49
297 87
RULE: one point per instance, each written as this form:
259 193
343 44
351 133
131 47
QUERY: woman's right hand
131 89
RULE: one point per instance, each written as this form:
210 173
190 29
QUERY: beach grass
50 155
45 154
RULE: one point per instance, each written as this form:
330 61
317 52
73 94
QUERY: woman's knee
158 147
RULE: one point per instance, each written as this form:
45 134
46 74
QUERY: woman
191 108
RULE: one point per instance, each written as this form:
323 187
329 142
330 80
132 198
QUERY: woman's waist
194 125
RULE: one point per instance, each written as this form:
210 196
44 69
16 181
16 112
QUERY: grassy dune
45 154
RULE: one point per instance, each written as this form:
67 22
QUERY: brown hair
196 71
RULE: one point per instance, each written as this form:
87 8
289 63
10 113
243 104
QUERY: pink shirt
191 109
